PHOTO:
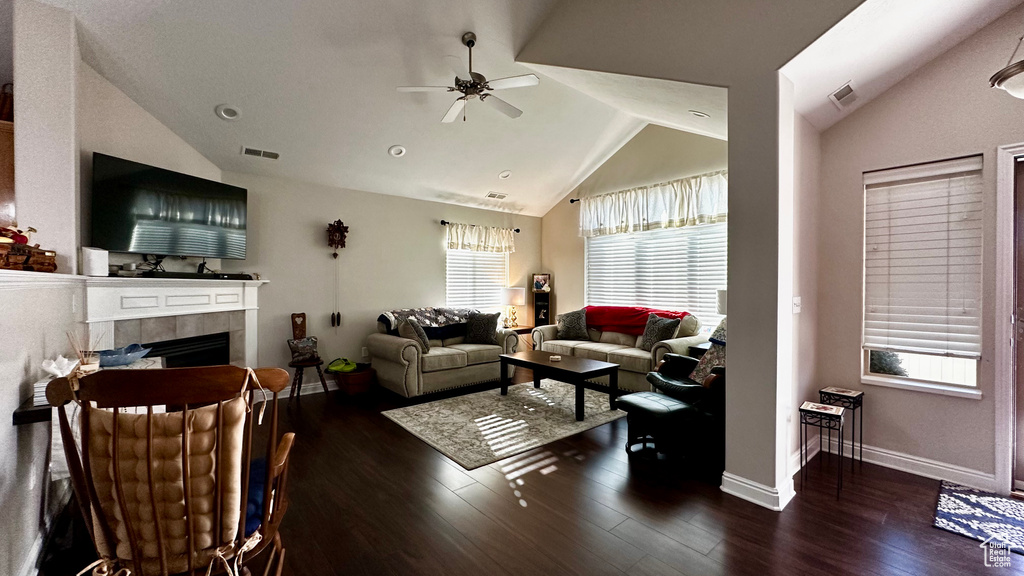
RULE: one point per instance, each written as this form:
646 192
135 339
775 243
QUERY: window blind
675 269
923 259
475 279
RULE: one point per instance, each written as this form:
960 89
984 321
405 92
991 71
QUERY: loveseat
403 365
615 336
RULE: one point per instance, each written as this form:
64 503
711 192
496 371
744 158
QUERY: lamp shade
514 296
723 300
1010 79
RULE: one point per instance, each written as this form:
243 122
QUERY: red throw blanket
625 319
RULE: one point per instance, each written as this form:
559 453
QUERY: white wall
727 43
394 258
655 154
45 142
36 318
111 123
806 191
944 110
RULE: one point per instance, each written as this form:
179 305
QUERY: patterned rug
478 429
980 515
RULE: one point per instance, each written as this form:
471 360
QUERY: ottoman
653 419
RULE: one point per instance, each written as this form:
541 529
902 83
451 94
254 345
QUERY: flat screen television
142 209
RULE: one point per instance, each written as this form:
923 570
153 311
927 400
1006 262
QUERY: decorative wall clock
336 233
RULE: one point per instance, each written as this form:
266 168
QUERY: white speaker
94 262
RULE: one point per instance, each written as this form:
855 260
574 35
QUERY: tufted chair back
164 472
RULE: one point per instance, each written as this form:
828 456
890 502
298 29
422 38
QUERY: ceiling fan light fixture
1011 78
475 86
397 151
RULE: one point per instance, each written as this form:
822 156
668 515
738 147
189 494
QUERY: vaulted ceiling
880 43
315 81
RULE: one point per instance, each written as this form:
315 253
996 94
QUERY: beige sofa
622 349
403 367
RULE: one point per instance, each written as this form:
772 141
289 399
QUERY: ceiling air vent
497 195
843 97
260 153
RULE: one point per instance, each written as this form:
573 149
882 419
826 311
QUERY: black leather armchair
700 435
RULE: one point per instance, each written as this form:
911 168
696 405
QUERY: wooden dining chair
307 360
128 474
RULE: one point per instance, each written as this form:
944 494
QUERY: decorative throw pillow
304 349
573 326
482 328
658 329
715 356
410 328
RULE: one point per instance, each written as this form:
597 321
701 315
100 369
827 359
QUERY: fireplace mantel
110 300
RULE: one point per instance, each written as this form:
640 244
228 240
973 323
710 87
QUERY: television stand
194 275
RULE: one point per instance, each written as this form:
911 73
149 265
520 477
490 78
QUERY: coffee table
569 369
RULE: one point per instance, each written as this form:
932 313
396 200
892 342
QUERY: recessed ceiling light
397 151
227 112
700 114
505 174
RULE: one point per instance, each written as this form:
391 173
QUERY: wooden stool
298 333
300 368
824 417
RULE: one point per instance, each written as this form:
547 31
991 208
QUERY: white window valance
479 238
690 201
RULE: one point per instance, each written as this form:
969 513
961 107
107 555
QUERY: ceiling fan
474 85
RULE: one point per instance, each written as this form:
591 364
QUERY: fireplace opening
209 350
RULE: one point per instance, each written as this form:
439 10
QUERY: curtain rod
445 223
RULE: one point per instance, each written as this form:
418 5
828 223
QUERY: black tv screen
147 210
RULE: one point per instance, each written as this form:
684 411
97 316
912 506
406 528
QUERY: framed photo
542 282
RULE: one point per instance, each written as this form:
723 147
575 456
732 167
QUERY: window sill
919 386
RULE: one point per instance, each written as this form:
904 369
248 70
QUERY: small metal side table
823 417
854 401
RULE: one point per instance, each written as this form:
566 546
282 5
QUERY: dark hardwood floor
367 497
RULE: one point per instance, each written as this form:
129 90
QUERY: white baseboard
794 458
28 566
922 466
771 498
313 387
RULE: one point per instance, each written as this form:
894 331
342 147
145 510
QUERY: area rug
478 429
981 515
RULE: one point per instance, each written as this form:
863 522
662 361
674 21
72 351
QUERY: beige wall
394 258
36 316
112 123
45 143
944 110
656 154
806 191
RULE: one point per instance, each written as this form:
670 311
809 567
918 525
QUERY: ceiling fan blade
425 89
502 106
513 82
459 66
454 111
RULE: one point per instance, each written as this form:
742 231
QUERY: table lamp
512 297
723 299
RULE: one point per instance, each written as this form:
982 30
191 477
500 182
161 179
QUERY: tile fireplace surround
122 311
